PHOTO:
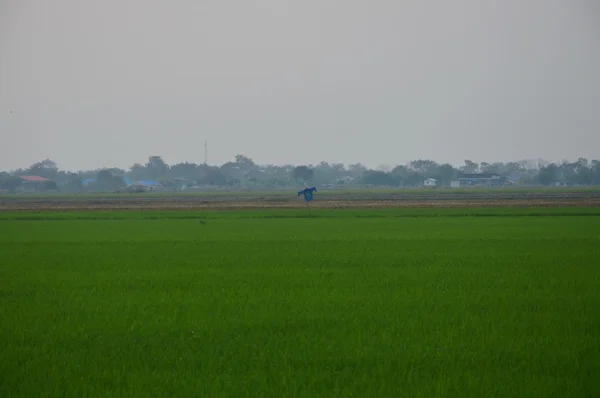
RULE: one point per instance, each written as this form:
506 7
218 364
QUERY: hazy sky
108 83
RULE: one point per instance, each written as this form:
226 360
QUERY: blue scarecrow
308 193
308 196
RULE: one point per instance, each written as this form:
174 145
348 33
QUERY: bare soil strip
368 200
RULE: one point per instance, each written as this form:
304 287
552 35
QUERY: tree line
242 171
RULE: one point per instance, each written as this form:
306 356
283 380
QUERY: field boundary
25 215
330 200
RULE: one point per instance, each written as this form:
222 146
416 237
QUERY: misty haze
95 85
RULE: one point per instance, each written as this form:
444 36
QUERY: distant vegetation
243 172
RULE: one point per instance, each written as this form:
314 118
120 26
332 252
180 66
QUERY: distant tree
356 170
512 167
156 167
469 167
233 171
74 183
279 173
138 172
497 167
185 170
234 183
243 171
324 173
10 182
445 174
214 176
107 182
50 185
485 167
244 160
548 174
46 168
201 173
104 175
595 166
115 171
244 167
424 167
377 177
402 175
303 173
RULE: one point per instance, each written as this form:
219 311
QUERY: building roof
150 183
34 179
478 175
147 183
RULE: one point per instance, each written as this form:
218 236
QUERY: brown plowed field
368 199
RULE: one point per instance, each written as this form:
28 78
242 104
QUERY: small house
37 183
481 180
430 182
143 186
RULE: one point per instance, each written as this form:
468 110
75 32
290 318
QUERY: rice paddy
364 303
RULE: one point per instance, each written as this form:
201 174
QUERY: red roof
34 178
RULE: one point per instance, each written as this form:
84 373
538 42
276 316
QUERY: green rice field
273 303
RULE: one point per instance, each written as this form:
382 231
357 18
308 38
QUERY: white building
430 182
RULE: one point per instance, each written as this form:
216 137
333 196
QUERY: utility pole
205 152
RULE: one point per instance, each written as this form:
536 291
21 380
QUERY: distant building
346 180
88 181
37 183
33 179
481 180
430 182
143 186
181 183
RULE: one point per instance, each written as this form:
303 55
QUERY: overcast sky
94 84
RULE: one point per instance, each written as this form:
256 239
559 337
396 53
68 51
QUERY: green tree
156 167
485 167
138 172
106 181
445 174
214 176
74 183
50 185
303 173
595 166
10 182
548 175
424 167
377 177
46 168
469 167
185 170
356 170
244 161
405 176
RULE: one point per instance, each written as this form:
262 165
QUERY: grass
259 213
373 303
